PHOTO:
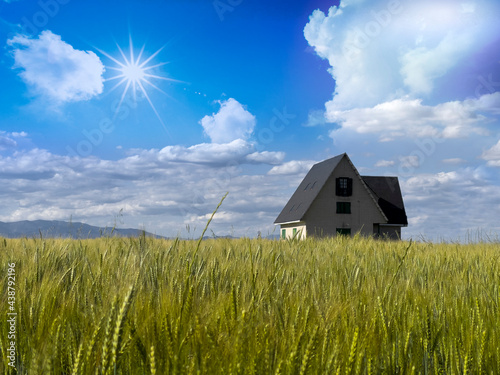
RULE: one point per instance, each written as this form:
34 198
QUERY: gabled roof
385 192
389 198
307 191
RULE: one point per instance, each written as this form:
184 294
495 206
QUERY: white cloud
8 140
492 155
316 117
19 134
232 153
421 66
385 163
208 153
55 70
448 205
381 51
409 162
410 118
266 157
232 122
293 167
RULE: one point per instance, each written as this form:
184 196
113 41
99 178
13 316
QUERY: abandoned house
334 199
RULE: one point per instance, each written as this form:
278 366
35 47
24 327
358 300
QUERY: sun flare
135 73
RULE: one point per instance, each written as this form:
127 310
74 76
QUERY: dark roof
385 190
307 191
389 198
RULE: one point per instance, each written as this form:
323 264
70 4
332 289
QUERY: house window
344 231
343 207
344 187
294 232
283 233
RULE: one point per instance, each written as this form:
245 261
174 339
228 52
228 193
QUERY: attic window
307 186
344 186
314 184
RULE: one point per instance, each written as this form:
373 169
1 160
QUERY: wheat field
252 306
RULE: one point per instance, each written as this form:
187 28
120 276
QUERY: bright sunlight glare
134 73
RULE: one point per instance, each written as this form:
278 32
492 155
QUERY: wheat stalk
117 335
152 360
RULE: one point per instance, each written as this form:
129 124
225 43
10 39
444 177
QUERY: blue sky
244 96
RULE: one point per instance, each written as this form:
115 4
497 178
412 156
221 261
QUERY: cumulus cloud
208 153
383 50
396 66
265 157
236 152
492 155
293 167
411 118
231 122
421 66
55 70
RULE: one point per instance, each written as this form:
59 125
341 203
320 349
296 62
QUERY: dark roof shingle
389 198
307 191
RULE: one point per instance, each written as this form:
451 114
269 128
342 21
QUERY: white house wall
322 219
300 230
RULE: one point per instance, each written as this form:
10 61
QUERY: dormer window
344 187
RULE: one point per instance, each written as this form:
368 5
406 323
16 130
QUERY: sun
134 73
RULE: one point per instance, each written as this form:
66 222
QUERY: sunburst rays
136 73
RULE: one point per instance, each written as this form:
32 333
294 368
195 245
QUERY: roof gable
308 190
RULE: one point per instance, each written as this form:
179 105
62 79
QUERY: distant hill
63 229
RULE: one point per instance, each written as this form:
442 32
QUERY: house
334 199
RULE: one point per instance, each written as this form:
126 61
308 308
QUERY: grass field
341 306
